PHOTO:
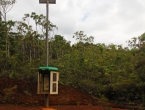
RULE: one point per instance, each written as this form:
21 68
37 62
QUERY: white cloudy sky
109 21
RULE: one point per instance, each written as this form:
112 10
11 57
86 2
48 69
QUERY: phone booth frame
48 78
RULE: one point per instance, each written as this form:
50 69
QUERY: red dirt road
14 107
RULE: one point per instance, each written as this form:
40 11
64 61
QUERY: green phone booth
48 78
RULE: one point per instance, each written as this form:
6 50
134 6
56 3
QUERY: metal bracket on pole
45 1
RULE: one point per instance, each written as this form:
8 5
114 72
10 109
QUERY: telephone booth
48 78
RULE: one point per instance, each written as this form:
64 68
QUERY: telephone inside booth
48 78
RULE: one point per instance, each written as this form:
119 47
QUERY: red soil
82 107
21 95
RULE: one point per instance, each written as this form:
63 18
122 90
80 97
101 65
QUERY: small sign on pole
45 1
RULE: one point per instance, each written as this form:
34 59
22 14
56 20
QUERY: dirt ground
22 95
82 107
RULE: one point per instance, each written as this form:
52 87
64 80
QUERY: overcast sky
108 21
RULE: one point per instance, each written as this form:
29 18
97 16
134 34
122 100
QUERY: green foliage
9 93
27 93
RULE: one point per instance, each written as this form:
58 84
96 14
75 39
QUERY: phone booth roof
47 68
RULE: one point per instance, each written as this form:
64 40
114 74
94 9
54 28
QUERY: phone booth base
48 78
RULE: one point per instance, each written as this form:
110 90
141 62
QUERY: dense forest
111 71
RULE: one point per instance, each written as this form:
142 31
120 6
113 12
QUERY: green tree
5 7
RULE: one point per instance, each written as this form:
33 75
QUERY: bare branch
6 6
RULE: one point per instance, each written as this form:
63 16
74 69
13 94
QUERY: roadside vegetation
111 72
